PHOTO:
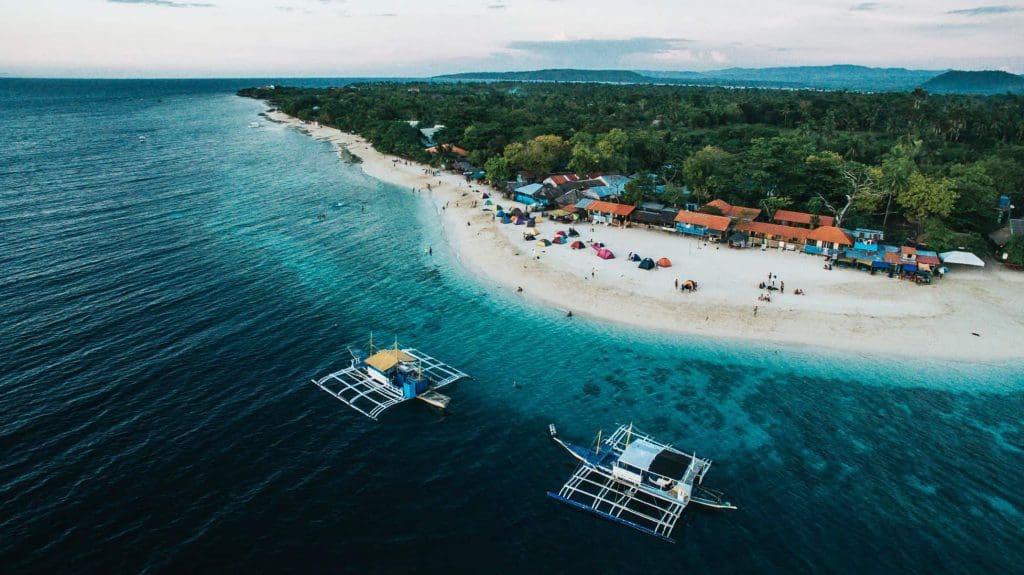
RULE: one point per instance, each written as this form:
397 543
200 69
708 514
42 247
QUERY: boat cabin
643 461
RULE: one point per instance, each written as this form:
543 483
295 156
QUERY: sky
339 38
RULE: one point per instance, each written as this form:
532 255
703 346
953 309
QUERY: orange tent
664 263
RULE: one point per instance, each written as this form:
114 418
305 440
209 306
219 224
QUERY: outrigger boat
631 478
387 377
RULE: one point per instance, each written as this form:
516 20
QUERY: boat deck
596 491
353 387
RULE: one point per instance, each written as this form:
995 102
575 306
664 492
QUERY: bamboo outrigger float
632 479
388 377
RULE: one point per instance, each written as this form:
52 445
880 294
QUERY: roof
529 189
582 204
773 230
560 179
640 453
385 359
659 217
712 222
964 258
735 211
1017 227
830 234
610 208
603 191
448 148
801 218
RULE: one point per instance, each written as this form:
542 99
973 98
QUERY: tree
538 156
497 170
976 198
771 204
1014 250
895 172
637 189
857 186
703 170
927 196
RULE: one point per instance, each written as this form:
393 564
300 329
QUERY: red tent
664 263
605 254
578 245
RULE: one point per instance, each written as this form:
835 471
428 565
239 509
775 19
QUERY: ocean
165 304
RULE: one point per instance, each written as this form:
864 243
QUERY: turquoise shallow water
164 305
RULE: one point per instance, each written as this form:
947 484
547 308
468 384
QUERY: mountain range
837 77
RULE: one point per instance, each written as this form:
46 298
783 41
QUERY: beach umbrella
665 263
577 245
962 258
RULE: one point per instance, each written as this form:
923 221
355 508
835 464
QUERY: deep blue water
163 306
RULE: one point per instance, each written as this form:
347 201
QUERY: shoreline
844 310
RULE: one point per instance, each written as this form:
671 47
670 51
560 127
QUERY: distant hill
838 77
985 82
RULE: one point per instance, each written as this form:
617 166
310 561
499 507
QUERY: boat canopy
640 453
670 464
386 359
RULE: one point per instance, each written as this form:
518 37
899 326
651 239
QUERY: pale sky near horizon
272 38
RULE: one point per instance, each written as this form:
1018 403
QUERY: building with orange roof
801 219
609 212
827 240
735 212
772 235
701 225
449 148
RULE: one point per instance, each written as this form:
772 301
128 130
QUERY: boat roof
640 453
387 358
652 457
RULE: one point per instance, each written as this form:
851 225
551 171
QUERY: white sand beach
842 309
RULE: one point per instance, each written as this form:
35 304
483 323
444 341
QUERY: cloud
865 7
166 3
985 10
496 6
598 47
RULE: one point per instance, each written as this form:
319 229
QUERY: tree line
920 165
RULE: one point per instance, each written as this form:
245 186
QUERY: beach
971 314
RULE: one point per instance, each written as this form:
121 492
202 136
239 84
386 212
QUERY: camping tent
485 196
559 240
506 220
544 243
647 264
963 258
488 203
634 258
605 254
578 245
664 263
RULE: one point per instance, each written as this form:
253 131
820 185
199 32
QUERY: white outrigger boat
631 478
373 383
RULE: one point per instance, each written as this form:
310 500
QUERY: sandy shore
842 309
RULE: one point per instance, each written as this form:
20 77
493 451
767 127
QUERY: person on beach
677 283
755 311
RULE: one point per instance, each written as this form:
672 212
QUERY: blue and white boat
386 377
633 479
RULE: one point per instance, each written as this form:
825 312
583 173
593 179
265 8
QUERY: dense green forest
920 165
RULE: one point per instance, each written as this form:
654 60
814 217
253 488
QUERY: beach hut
605 254
577 245
646 264
664 263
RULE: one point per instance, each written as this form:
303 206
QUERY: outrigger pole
598 450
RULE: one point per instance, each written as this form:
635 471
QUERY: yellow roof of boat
385 359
